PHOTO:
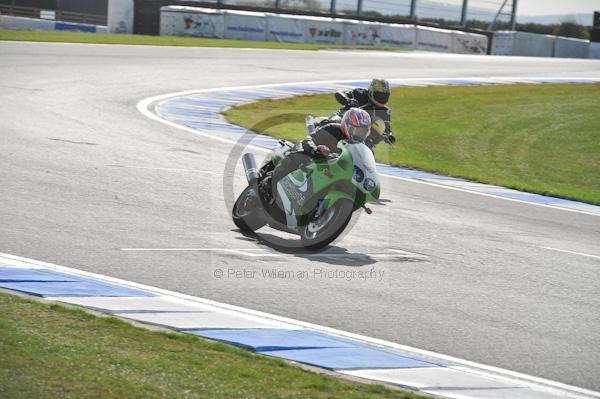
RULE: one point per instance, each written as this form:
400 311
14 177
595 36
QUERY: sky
549 7
527 7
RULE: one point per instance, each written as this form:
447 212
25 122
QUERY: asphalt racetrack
84 175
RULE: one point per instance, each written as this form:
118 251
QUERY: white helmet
356 124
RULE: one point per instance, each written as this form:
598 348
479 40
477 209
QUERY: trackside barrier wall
379 34
433 39
230 24
324 30
502 43
205 22
284 28
522 44
191 21
298 29
594 50
245 25
397 35
469 43
10 22
566 47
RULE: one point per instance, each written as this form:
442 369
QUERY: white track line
143 107
572 252
464 190
473 367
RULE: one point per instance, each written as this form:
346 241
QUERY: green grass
539 138
51 351
109 38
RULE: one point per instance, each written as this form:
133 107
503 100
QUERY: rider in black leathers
355 124
373 101
318 145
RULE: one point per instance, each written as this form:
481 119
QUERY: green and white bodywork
315 201
352 176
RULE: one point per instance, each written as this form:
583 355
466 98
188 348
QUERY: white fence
433 39
282 28
324 30
245 25
566 47
360 33
203 22
230 24
7 21
594 50
469 43
396 35
522 44
10 22
535 45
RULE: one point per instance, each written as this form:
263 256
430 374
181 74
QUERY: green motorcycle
315 201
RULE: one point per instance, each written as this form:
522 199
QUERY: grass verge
51 351
542 139
108 38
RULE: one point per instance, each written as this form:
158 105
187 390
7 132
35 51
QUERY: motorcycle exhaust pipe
252 173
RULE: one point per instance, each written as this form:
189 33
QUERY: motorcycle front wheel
320 232
247 211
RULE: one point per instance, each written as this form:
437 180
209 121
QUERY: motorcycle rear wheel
247 211
319 233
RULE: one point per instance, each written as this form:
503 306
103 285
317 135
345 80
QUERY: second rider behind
373 101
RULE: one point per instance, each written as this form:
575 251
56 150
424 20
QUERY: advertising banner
284 28
191 21
324 30
245 25
359 33
469 43
433 39
47 14
396 35
120 16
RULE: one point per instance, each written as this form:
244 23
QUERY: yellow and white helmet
379 92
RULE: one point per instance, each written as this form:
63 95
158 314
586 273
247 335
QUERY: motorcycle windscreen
365 175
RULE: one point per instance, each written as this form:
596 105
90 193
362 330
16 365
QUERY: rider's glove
323 150
352 103
389 138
